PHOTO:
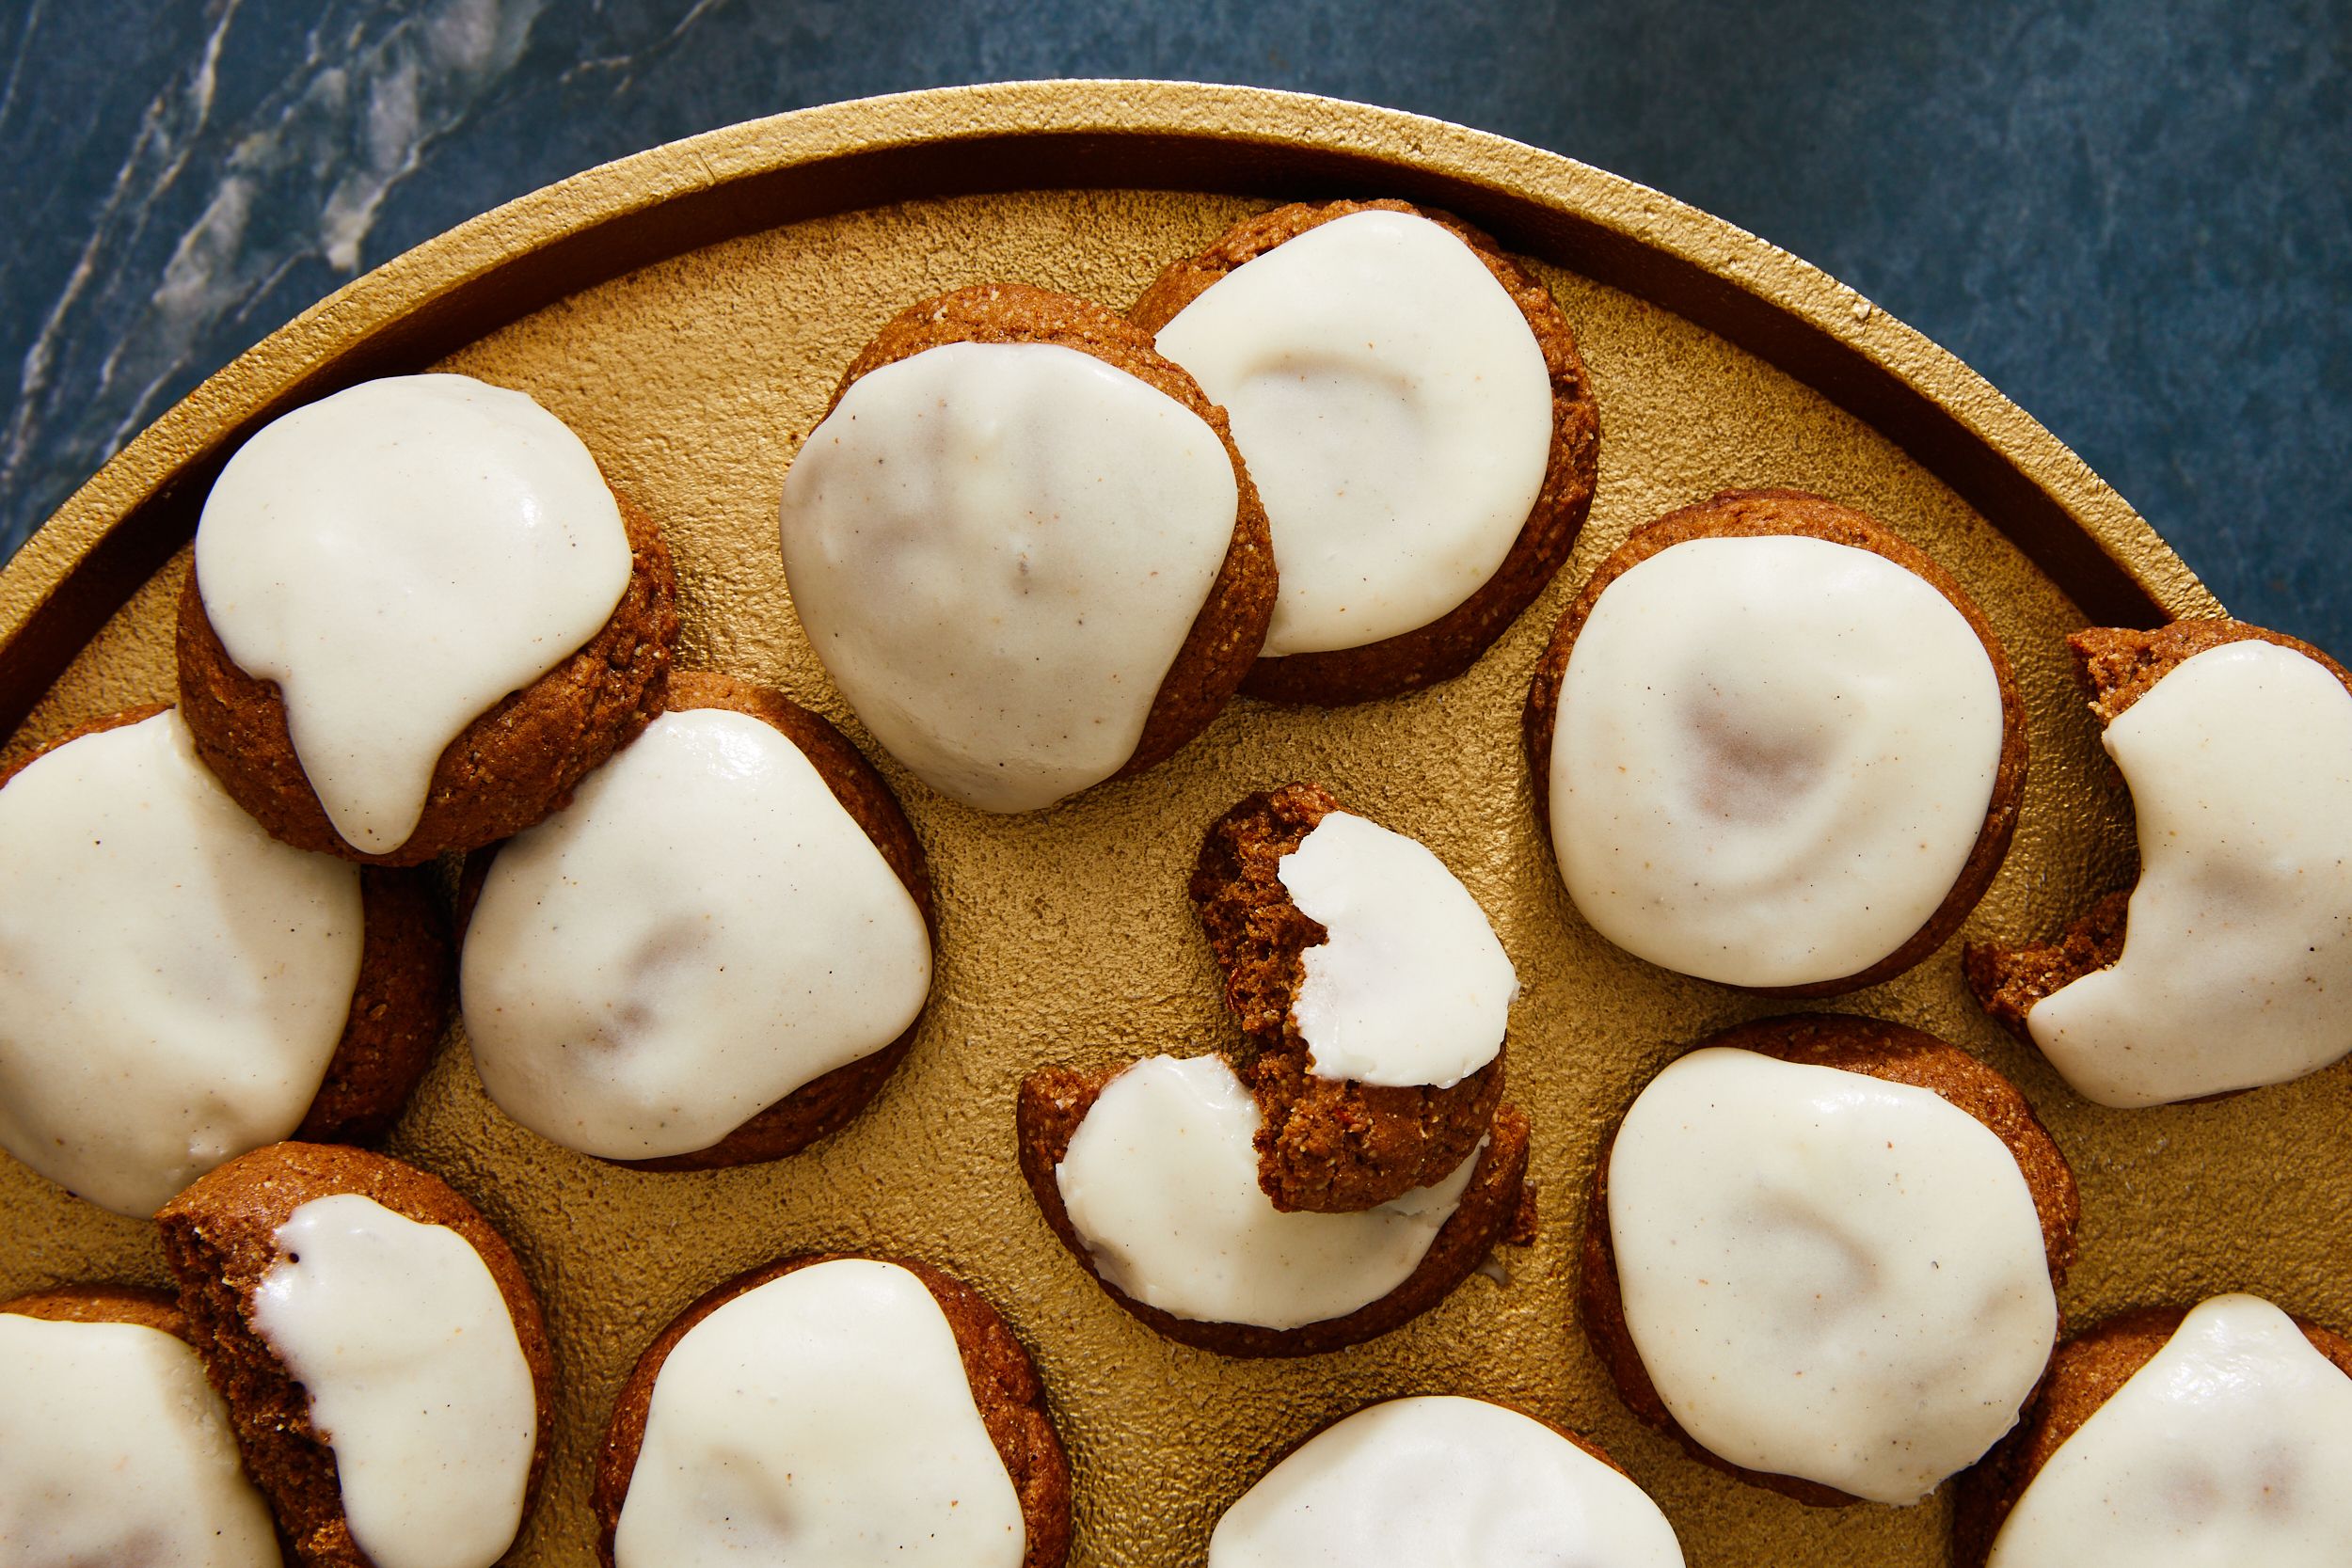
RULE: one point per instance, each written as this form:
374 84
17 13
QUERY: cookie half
1412 405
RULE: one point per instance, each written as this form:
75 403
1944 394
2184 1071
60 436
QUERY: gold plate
688 311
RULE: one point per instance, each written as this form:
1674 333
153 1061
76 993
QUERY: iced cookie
113 1451
1410 403
1823 1251
1149 1176
177 987
1439 1480
381 1353
417 617
850 1411
1775 746
715 953
2167 1439
1371 991
2229 964
1024 548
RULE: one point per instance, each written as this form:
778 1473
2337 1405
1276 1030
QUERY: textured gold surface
1066 936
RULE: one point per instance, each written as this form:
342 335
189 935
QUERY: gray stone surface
2135 218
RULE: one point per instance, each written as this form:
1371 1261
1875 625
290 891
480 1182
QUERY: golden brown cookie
507 769
1497 1207
2085 1372
1452 644
1850 1044
1323 1144
1005 1386
2117 666
1760 513
219 1237
104 1304
1232 624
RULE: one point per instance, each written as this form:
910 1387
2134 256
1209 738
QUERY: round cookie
2212 1410
1358 1275
2237 744
1562 473
1812 797
211 990
1330 1142
1005 1394
1441 1478
349 1309
1895 1056
499 759
112 1448
561 990
1111 539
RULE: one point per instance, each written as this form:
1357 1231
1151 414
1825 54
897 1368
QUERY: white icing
998 550
822 1418
1410 986
398 558
704 930
1772 757
2237 951
1443 1482
1161 1184
1394 411
2228 1447
173 981
399 1335
116 1453
1827 1275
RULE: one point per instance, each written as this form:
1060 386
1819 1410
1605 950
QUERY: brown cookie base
1764 514
1325 1145
1877 1049
1497 1207
2084 1375
506 770
1227 633
219 1238
2117 666
104 1304
1452 643
1005 1386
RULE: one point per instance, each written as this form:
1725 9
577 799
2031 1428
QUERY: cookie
2224 967
1162 1207
1023 548
825 1398
1776 747
1412 407
1406 996
417 617
1929 1217
716 954
177 987
356 1313
2219 1434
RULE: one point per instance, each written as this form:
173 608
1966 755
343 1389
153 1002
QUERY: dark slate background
2134 217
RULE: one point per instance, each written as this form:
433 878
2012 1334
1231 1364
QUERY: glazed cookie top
1827 1275
398 558
2230 1446
1436 1481
703 931
1395 412
2237 950
826 1417
1160 1181
173 981
998 550
401 1338
1410 985
115 1449
1774 758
